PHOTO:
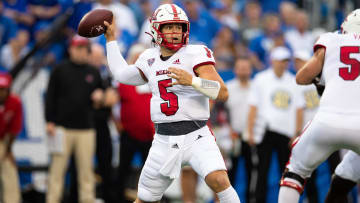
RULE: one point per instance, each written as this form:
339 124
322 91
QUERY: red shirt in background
135 113
10 116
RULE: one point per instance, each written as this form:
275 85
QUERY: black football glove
319 88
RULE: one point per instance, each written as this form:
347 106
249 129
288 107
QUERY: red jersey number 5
171 106
345 72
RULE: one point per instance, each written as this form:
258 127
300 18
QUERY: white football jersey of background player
178 102
340 73
349 168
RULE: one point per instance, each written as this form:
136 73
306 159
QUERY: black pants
272 141
104 160
246 154
128 147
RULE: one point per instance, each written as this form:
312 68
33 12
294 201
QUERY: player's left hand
182 77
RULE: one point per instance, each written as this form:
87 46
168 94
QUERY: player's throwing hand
110 30
182 77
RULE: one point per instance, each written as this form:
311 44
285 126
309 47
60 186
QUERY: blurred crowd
248 37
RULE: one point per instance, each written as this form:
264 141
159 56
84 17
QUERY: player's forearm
223 94
299 121
311 69
119 68
210 88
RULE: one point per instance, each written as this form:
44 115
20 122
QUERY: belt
178 128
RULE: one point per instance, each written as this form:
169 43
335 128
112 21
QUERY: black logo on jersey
175 146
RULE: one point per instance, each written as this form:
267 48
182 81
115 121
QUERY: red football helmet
165 14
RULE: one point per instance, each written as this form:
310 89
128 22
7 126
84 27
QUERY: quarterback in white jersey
182 78
336 124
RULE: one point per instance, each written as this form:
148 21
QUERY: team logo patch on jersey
281 99
177 61
151 61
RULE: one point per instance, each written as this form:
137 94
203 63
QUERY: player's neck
165 52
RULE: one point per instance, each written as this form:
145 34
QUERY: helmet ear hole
184 27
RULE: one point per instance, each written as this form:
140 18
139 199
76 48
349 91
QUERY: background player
347 174
338 114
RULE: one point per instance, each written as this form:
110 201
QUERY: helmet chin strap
173 46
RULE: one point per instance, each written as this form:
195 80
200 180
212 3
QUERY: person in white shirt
274 98
336 123
182 78
300 38
238 108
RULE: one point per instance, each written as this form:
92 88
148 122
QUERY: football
92 23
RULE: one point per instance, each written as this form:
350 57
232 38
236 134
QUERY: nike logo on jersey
175 146
177 61
199 136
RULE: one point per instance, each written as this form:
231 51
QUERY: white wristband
209 88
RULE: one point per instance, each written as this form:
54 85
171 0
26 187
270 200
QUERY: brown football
92 23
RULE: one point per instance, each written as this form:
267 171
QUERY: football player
347 174
335 125
182 79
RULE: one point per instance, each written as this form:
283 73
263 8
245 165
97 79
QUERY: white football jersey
178 102
340 73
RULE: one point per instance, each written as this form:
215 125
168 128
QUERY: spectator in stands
204 27
223 12
10 127
224 46
102 116
13 51
300 38
19 12
51 53
74 90
80 7
251 24
261 45
135 112
8 27
274 96
287 10
44 10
